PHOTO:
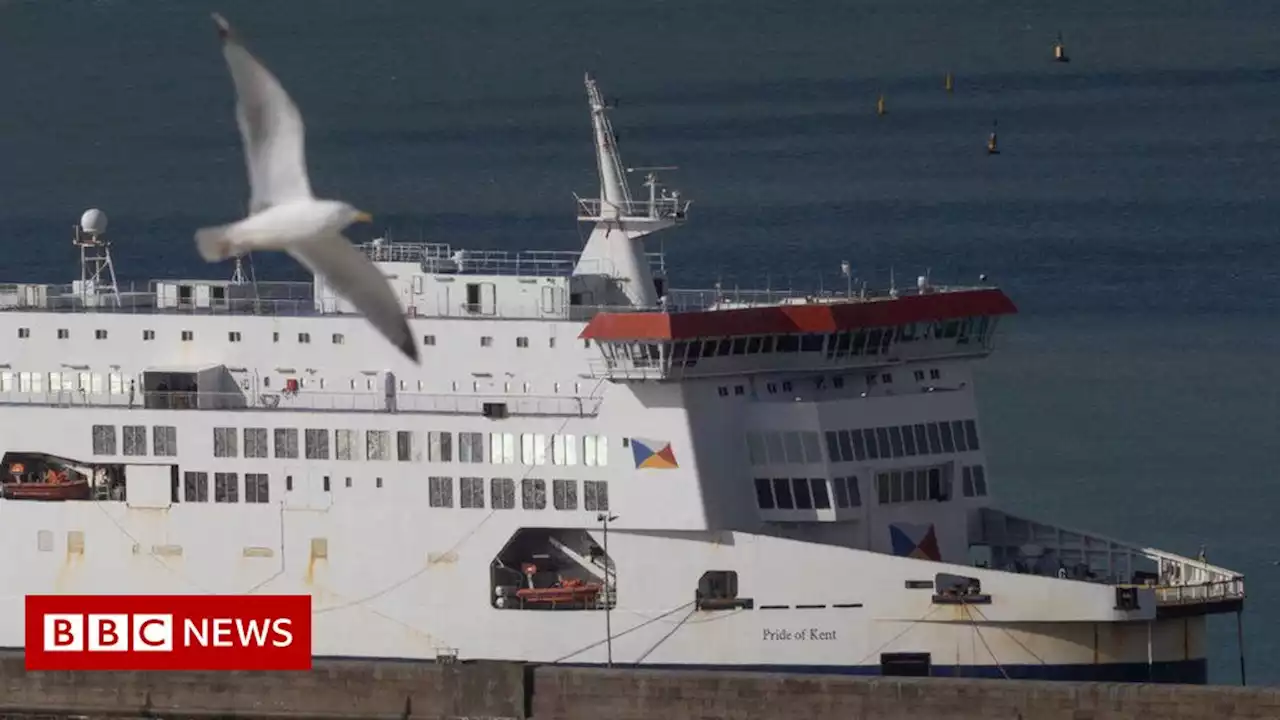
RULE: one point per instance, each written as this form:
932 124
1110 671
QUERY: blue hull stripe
1189 672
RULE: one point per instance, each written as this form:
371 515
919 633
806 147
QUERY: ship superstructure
588 467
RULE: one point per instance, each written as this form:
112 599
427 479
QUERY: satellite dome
93 221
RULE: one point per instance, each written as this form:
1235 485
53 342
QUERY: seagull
283 214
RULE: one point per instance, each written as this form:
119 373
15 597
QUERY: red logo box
168 632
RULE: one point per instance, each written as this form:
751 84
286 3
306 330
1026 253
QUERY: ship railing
1024 545
316 401
693 299
443 258
660 208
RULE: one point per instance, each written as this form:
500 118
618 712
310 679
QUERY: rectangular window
440 446
565 494
135 439
526 448
195 487
595 495
821 498
404 446
502 493
377 445
979 481
966 481
922 440
344 442
851 446
317 443
841 492
164 440
801 491
882 437
286 442
224 442
471 447
533 494
895 440
869 440
812 448
764 494
908 441
776 451
255 443
971 434
226 487
471 492
782 494
855 496
441 491
595 450
935 443
795 452
256 488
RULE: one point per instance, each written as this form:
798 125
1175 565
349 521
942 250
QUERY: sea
1131 212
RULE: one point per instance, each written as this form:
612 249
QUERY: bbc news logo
168 632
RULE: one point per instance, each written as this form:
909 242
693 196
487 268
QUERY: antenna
97 272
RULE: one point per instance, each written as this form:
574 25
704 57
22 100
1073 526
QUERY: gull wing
270 127
355 278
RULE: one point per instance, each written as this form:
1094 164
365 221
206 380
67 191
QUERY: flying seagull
283 214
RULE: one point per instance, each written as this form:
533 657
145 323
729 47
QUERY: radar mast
97 271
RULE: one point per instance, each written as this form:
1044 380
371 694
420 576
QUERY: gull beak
363 217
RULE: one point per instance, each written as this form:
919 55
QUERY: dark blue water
1131 214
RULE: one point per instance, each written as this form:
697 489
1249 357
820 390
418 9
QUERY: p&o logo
168 632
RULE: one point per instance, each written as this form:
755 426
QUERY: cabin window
255 442
846 491
377 445
288 483
188 336
135 439
429 340
533 494
224 442
338 339
786 386
739 390
286 442
595 450
522 342
233 336
256 488
100 334
343 443
439 446
440 491
971 434
405 450
24 332
104 439
317 444
471 447
304 337
502 493
486 341
564 494
801 492
502 448
165 439
723 390
195 487
564 449
471 492
226 487
595 495
63 333
325 484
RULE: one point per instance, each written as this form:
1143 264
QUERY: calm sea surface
1131 215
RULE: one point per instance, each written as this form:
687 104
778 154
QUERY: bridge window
440 491
344 442
405 450
135 439
471 447
846 490
502 448
255 443
971 434
564 449
974 481
595 450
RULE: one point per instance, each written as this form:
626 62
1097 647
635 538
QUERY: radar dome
93 221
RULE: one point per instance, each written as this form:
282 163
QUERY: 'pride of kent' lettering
178 632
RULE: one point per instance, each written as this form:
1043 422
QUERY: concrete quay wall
426 691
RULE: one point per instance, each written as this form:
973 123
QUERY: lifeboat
51 485
566 591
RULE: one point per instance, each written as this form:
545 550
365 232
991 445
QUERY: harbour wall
410 690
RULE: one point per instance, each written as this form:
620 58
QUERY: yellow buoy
949 84
1060 50
880 106
992 148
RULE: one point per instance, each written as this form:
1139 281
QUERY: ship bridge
712 333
